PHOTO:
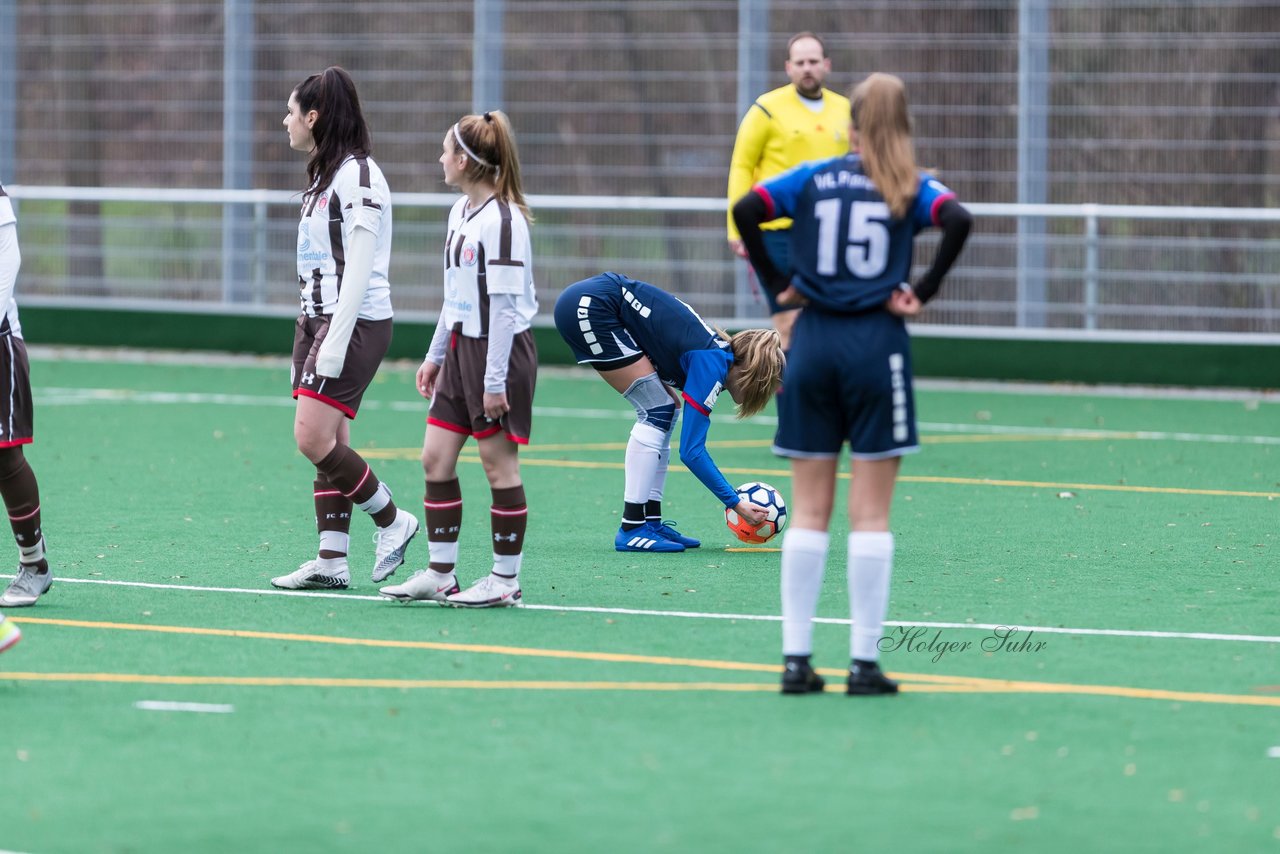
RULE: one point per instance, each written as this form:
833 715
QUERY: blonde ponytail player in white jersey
481 367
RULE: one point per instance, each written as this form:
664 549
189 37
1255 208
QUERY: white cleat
27 586
492 591
425 585
391 543
318 574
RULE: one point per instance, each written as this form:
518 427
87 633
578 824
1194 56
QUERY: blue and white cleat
668 530
644 539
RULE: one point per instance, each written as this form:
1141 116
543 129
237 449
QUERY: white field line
211 359
703 615
81 397
168 706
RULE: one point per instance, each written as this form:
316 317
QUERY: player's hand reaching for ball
753 513
427 373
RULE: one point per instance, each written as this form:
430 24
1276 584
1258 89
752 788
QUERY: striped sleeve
363 204
506 250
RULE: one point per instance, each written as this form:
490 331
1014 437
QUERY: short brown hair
806 35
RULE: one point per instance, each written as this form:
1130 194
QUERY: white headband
457 136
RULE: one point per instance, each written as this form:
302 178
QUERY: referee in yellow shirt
783 128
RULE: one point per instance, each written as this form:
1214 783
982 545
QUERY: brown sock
333 513
348 471
508 517
21 496
443 508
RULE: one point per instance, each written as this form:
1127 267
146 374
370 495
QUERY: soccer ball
762 495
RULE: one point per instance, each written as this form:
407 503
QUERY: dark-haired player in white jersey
849 373
17 481
344 330
482 365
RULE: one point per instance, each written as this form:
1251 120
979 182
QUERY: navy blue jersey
847 252
611 318
664 326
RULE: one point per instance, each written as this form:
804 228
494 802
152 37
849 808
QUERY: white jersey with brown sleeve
357 197
10 261
487 251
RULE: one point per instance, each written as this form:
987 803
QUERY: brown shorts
369 342
16 413
459 401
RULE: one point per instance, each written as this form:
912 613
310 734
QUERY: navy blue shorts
589 318
848 379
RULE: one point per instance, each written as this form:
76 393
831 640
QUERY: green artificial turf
623 709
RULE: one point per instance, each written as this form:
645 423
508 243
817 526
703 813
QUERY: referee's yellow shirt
779 132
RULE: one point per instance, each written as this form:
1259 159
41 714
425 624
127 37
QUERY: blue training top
847 252
687 354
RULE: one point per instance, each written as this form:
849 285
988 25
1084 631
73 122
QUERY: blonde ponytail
883 123
490 146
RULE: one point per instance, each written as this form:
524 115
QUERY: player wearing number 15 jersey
848 378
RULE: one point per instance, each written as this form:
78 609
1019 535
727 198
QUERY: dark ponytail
340 129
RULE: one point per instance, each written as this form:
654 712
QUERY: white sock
660 474
334 541
804 560
331 564
664 463
643 450
508 565
31 554
380 498
442 552
870 565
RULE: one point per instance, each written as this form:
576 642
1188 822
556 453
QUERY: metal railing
1106 269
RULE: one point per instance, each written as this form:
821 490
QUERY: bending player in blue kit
645 342
849 373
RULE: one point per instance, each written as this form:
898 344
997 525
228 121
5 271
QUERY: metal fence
1166 102
1169 270
630 109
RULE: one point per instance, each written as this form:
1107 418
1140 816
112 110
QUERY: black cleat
868 678
799 678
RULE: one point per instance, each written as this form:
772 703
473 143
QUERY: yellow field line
995 686
931 681
622 658
955 481
1095 487
973 438
414 453
1014 686
464 684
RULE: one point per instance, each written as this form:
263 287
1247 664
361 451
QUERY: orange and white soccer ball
762 495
